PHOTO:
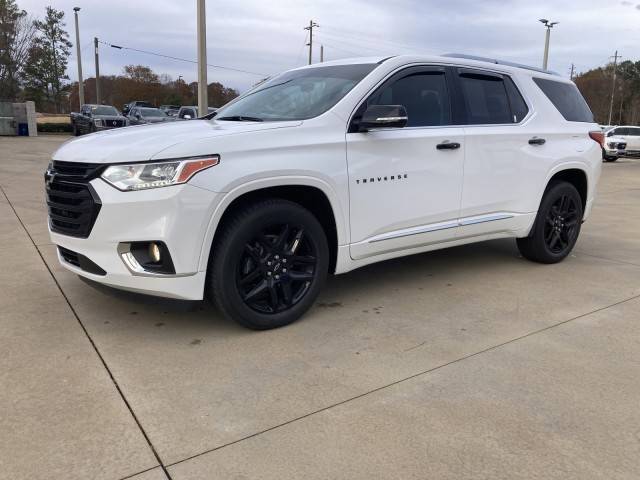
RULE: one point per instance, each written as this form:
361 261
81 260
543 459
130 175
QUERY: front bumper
177 215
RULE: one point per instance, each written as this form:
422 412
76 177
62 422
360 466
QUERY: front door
405 183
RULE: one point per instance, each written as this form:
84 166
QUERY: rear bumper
178 216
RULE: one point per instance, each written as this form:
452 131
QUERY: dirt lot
464 363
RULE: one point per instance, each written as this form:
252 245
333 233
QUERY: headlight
142 176
98 122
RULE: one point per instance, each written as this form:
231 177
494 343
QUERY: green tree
48 56
16 35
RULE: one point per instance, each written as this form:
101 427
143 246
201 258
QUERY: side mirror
187 117
383 116
610 134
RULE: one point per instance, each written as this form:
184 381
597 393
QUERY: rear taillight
598 137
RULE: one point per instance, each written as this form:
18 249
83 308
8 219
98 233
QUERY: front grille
80 261
72 203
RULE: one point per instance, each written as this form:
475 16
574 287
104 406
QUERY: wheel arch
575 176
314 194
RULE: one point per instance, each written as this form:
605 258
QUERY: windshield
104 111
152 112
296 95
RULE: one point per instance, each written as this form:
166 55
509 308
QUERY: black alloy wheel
268 264
276 268
561 222
557 225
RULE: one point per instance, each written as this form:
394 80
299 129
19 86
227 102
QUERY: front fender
258 184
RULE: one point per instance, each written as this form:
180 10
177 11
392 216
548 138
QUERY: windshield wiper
241 118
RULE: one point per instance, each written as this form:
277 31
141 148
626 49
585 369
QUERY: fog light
154 252
147 258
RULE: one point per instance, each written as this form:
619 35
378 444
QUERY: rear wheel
610 159
557 225
268 264
76 131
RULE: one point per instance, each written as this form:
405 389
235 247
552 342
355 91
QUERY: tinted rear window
567 99
486 99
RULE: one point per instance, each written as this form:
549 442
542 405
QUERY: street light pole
203 101
80 81
613 85
549 25
95 44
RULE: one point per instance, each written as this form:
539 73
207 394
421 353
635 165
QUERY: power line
342 49
121 47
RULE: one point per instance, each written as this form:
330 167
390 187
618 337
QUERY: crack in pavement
410 377
91 341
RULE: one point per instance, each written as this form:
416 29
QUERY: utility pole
311 26
549 25
573 71
95 44
203 101
78 54
613 85
321 53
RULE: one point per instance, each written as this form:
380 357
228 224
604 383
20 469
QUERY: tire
557 225
259 274
610 159
76 132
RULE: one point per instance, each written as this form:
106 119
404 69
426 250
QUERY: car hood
144 142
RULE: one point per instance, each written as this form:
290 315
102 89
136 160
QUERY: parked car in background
190 112
170 110
145 115
324 169
137 103
626 138
93 118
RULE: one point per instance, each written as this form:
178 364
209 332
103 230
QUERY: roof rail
497 62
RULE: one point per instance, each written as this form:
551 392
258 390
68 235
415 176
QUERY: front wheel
557 225
268 264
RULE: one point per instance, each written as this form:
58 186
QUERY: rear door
497 152
404 187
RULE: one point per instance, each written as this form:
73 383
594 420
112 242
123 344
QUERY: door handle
537 141
448 146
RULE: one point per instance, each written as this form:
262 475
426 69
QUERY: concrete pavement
463 363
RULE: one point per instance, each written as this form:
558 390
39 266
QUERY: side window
635 132
423 94
519 107
485 98
567 99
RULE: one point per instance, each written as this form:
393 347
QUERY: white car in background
325 169
622 140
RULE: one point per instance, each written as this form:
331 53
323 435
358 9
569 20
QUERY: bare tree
17 32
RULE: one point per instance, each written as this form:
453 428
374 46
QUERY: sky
267 36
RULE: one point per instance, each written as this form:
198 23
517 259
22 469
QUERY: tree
48 57
16 35
141 73
596 84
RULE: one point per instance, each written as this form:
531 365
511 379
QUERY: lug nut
277 277
277 257
268 274
284 270
269 263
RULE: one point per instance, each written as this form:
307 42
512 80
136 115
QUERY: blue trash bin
23 129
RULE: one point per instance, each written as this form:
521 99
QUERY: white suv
622 140
324 169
